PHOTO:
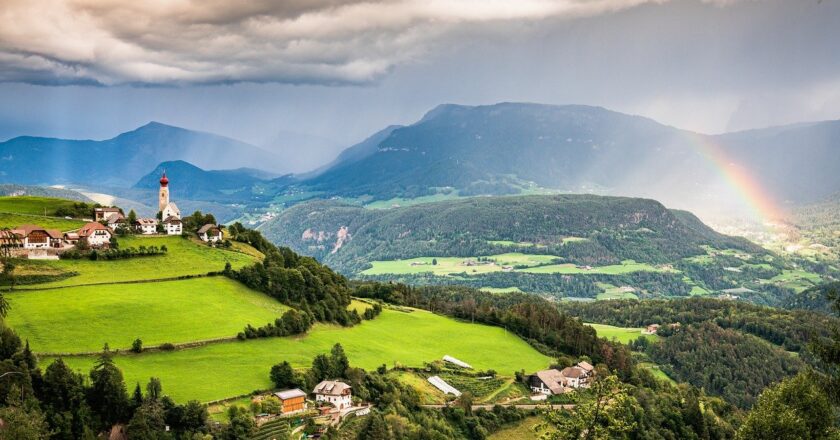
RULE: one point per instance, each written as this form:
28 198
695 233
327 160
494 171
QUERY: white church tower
167 209
163 197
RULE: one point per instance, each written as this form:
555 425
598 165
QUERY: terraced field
232 368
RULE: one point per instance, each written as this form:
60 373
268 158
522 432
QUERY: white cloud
162 42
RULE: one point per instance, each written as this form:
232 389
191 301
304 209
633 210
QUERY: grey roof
208 227
553 379
573 372
587 366
331 388
288 394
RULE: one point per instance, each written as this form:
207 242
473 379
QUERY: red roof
163 180
89 228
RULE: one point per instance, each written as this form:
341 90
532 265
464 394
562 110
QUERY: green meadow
184 257
12 221
798 280
455 265
501 290
42 206
626 266
227 369
620 334
79 319
614 292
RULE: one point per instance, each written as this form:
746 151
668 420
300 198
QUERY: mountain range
508 148
122 160
457 150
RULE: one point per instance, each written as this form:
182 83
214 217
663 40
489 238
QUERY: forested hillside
565 245
582 229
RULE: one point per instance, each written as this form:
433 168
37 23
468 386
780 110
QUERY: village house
579 375
547 382
100 214
210 233
292 400
96 234
146 226
334 392
172 225
71 237
37 237
170 210
115 220
651 329
550 382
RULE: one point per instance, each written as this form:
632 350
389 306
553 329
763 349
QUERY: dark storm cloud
162 42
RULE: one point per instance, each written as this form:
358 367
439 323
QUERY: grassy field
359 306
614 292
79 319
798 280
227 369
12 221
399 201
657 372
620 334
429 395
454 265
44 206
524 430
185 257
626 266
501 289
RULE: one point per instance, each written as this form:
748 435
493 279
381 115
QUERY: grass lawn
454 265
620 334
12 221
79 319
524 430
626 266
228 369
184 257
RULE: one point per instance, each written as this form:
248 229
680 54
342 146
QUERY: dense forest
790 329
297 281
723 362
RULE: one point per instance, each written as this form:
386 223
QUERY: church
169 212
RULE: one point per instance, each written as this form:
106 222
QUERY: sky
307 78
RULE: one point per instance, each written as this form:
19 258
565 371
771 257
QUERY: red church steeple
163 180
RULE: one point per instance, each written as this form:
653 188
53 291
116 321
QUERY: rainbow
739 178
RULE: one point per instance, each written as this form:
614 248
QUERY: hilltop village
37 242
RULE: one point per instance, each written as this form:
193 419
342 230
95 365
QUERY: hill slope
124 159
581 229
